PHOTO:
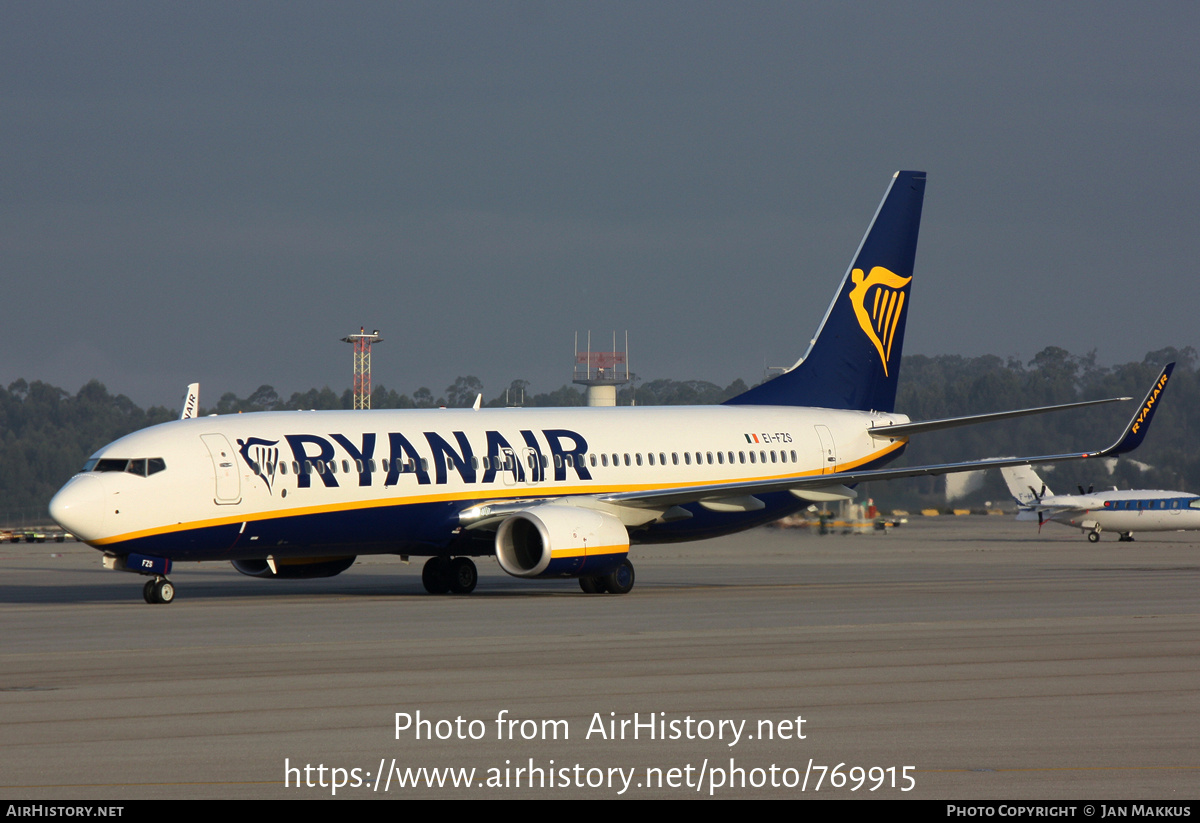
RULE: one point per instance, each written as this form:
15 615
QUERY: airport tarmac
993 663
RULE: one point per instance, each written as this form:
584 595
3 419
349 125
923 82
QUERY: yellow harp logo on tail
883 291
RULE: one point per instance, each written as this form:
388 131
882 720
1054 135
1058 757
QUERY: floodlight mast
362 364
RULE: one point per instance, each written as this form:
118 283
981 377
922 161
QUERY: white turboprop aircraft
552 493
1123 512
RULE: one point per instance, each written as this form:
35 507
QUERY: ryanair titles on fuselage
313 454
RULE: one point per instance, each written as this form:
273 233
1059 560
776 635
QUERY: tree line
46 433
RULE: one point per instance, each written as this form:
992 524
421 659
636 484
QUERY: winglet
191 402
1136 431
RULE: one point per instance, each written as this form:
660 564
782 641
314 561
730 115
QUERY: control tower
601 371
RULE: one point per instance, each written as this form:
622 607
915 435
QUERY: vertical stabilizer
191 402
1024 485
853 361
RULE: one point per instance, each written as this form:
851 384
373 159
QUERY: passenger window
674 458
662 458
650 457
752 457
283 469
721 458
638 456
687 458
793 455
604 460
593 460
627 461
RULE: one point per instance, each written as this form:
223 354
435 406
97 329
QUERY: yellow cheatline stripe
588 551
537 491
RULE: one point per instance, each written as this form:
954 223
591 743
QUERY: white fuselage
1135 510
305 483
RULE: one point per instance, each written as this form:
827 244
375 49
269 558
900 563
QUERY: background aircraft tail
191 402
1024 484
854 360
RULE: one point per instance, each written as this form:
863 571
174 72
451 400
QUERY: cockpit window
110 465
141 466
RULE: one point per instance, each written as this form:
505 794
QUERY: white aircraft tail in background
191 402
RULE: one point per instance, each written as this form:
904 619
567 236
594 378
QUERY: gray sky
220 191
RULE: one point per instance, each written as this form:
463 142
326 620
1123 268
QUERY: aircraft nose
79 507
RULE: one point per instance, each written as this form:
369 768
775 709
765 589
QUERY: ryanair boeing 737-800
552 493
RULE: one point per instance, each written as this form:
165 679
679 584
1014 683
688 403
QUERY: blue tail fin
854 360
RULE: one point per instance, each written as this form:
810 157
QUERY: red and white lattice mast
362 364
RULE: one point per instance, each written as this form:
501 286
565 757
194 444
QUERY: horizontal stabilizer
905 429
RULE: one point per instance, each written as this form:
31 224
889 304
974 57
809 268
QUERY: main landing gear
159 590
618 581
1125 537
457 576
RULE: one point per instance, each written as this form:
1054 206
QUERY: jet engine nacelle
560 541
298 569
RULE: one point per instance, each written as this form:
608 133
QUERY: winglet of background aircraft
191 402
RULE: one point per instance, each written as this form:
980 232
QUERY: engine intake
554 540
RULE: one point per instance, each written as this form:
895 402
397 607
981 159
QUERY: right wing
832 486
